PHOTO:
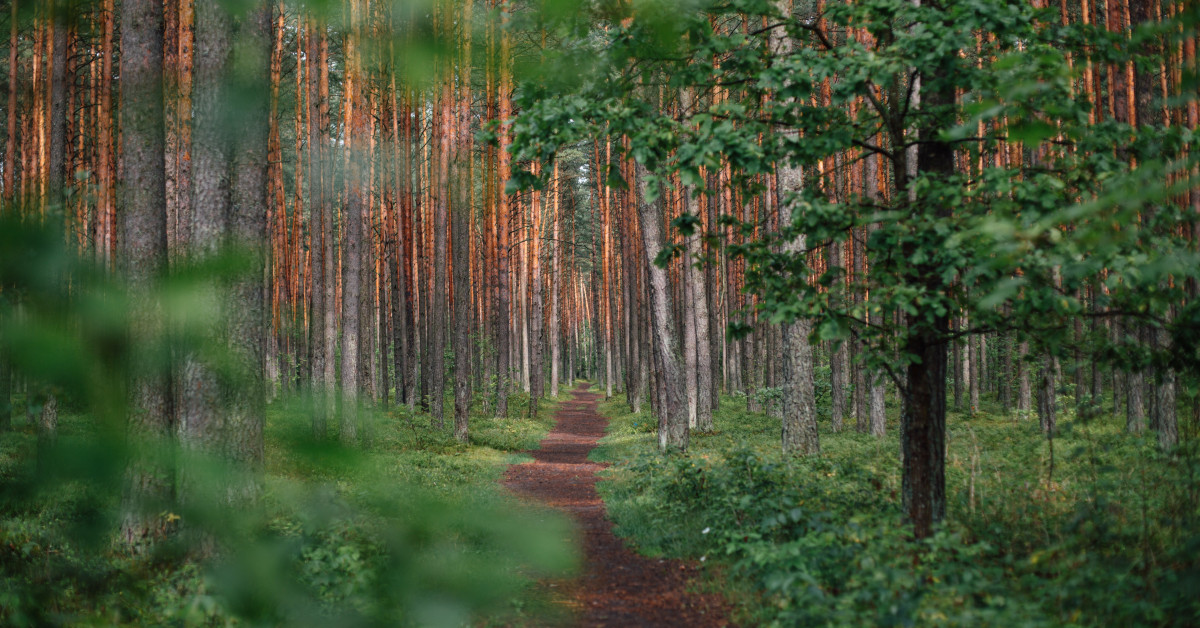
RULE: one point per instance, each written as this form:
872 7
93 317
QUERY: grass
408 529
1037 532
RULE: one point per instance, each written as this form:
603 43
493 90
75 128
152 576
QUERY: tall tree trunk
555 285
48 423
10 144
437 342
199 390
319 352
357 184
537 312
799 434
505 227
247 230
143 241
839 359
672 419
923 417
704 368
460 216
462 212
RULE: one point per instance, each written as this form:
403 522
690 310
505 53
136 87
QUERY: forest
600 312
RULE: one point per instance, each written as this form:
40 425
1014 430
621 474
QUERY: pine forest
600 313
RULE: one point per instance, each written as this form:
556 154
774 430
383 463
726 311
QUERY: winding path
618 587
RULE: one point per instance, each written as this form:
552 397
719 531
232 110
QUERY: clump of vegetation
410 531
821 540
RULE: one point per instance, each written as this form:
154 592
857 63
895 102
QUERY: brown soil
618 587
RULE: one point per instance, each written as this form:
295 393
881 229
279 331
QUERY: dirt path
618 587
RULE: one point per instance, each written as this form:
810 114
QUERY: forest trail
617 587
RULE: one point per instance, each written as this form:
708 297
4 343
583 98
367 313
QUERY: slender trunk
356 115
437 342
505 226
5 395
555 286
672 420
839 359
799 434
537 305
974 363
462 212
462 315
1047 404
1024 388
48 423
10 144
318 350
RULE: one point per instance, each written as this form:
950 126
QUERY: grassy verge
408 529
1094 528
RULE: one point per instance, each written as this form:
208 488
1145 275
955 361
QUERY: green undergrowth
1094 528
407 528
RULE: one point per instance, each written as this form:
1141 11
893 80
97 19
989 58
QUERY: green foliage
821 540
411 530
1018 246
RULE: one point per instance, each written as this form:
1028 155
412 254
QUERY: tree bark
839 358
504 229
143 242
247 231
356 115
1047 402
923 418
799 433
555 285
320 230
437 342
462 213
672 419
10 144
199 390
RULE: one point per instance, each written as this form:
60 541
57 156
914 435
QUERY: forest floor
618 587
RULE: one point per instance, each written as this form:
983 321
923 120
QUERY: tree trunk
799 434
48 425
462 187
1047 404
1024 392
672 419
505 226
199 390
704 368
839 358
356 115
247 227
923 418
462 316
5 395
437 310
10 144
143 242
1167 423
555 285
